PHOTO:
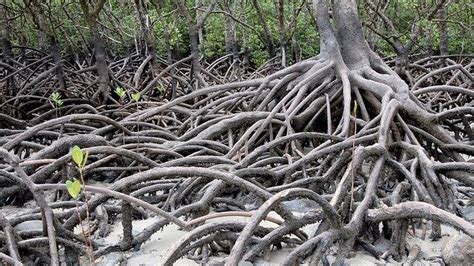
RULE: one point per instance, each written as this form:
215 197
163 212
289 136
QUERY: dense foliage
119 28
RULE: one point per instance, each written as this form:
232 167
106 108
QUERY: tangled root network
373 154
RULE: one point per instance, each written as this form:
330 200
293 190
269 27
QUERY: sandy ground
153 251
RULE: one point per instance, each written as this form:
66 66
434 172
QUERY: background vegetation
119 26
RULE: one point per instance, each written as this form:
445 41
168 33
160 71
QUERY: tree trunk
230 37
195 52
443 29
9 87
231 47
282 31
102 68
142 34
54 47
147 42
195 73
194 26
47 32
245 45
266 31
429 42
169 60
200 33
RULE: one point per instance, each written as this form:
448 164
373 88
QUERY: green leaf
77 155
74 188
120 92
136 96
55 95
56 98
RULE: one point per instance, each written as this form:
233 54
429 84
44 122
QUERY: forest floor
154 250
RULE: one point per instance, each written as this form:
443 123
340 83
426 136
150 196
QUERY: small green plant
120 93
136 96
74 189
56 99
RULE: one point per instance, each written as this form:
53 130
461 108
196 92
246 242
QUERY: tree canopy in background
238 21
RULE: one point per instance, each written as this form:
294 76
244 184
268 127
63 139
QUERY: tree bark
146 39
194 25
91 16
443 29
9 88
200 32
55 52
230 36
40 16
266 30
282 31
